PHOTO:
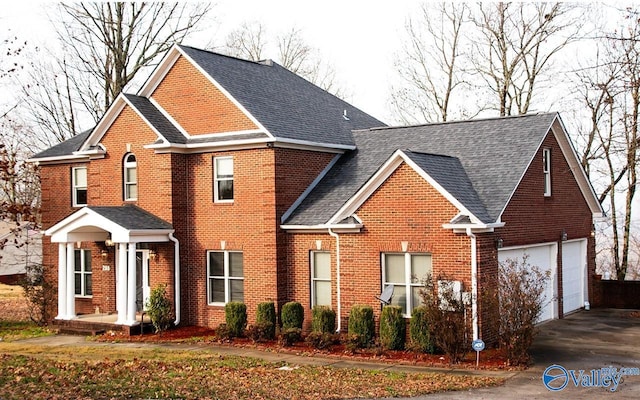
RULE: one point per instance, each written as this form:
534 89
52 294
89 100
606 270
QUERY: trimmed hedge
323 319
419 335
362 324
292 315
392 328
235 314
266 317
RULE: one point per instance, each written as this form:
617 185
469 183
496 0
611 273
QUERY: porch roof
124 224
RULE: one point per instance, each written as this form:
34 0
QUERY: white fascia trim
163 68
225 134
383 173
71 158
146 121
287 143
193 148
105 122
475 228
309 188
323 228
222 90
168 116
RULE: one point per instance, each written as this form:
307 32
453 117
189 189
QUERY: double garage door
574 267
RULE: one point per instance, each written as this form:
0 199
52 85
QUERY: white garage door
574 265
545 257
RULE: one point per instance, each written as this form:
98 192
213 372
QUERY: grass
10 291
31 371
17 330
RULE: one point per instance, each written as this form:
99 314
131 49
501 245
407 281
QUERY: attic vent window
344 115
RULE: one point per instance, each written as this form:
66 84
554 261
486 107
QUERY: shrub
321 340
266 317
392 328
323 319
445 313
39 293
292 315
259 332
159 309
361 323
516 303
419 337
235 314
290 336
352 342
223 333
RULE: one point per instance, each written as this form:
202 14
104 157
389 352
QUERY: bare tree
429 64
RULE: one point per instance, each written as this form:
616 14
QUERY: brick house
226 179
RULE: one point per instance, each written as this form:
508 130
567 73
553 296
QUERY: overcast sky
359 38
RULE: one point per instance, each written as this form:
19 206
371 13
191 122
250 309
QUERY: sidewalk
290 359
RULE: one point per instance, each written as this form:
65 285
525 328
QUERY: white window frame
226 277
83 273
409 281
128 165
217 179
76 186
315 279
546 170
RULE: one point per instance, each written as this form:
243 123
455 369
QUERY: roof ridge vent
268 62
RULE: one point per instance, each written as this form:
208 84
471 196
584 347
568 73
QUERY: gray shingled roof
157 119
494 154
65 148
283 102
132 217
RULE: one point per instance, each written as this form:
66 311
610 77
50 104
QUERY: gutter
338 300
176 267
474 283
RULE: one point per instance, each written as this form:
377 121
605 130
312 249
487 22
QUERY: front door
143 288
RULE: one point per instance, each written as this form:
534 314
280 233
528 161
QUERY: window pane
400 297
131 158
81 196
225 190
322 293
322 265
394 268
420 267
132 191
237 289
235 265
78 283
216 264
88 290
80 178
131 175
224 167
416 299
87 260
216 291
77 260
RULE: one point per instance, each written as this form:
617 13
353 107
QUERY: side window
223 179
83 281
406 273
546 170
320 279
225 277
79 186
130 177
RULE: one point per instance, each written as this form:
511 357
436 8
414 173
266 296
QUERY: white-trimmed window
223 179
320 278
406 272
79 186
546 170
130 177
225 277
83 285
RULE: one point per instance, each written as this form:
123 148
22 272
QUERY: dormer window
546 170
130 177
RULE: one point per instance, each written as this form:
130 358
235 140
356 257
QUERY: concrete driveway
585 340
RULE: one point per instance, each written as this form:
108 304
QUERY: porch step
80 331
92 328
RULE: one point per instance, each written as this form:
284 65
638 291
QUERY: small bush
259 332
235 314
352 342
419 337
321 340
159 309
39 293
323 320
223 333
361 323
290 336
392 328
292 315
266 317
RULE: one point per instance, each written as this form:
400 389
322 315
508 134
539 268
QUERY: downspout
474 284
335 235
176 267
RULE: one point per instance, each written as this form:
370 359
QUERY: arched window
130 177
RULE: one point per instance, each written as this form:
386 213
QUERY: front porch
97 324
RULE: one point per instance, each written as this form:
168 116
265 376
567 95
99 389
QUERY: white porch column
131 286
71 282
62 281
121 284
